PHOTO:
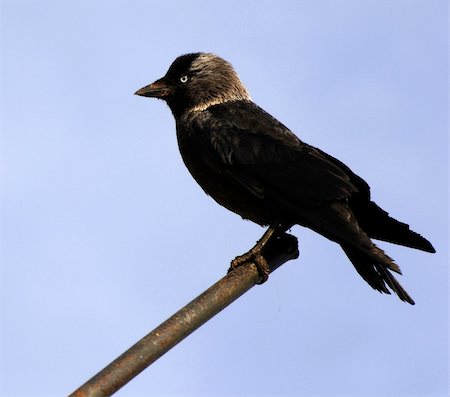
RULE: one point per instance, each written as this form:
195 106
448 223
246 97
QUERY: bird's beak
158 89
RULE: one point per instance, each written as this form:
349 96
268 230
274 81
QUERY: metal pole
185 321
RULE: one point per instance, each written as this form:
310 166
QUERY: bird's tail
379 225
376 272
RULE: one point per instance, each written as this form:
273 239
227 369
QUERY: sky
104 234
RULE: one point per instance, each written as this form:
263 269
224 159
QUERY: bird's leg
255 256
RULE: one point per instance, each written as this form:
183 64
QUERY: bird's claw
255 257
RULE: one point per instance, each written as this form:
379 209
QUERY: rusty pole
185 321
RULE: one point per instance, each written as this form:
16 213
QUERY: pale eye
184 79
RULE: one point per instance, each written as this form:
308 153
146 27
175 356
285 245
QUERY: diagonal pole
146 351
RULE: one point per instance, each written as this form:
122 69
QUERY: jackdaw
250 163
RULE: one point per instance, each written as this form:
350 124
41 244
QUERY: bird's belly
211 176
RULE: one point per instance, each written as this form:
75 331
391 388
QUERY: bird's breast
215 179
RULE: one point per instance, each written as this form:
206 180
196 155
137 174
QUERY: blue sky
104 233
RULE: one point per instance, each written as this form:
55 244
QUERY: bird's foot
272 250
253 256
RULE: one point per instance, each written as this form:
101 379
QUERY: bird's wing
261 154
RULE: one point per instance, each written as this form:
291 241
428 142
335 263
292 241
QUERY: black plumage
256 167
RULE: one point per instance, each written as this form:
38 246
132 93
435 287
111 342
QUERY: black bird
250 163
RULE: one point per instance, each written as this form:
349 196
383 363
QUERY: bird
256 167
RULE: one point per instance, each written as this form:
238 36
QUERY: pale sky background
104 234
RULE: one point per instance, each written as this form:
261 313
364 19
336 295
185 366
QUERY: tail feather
379 225
393 284
376 274
378 255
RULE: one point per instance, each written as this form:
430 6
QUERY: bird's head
195 82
